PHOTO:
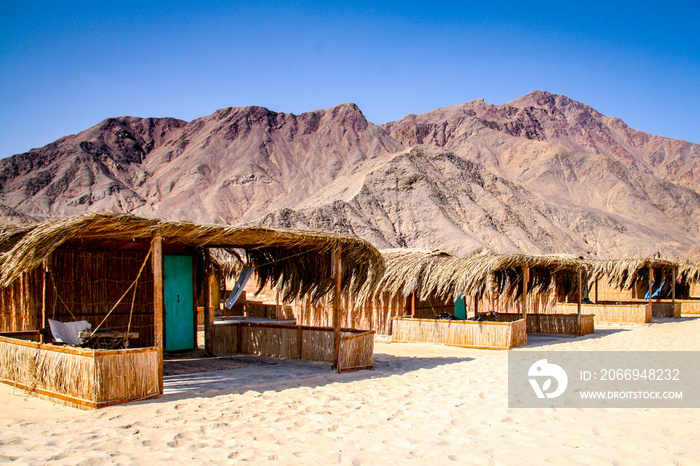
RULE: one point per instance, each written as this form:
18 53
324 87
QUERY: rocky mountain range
540 174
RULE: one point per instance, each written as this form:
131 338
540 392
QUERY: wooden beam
336 307
651 281
208 310
157 261
673 288
579 295
596 291
413 304
526 280
43 301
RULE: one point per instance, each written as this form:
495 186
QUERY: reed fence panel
276 341
465 333
295 342
689 306
557 324
623 313
376 314
317 344
356 351
80 377
665 308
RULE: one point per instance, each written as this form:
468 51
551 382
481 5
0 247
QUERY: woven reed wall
91 282
28 335
20 303
317 345
376 315
630 313
665 308
126 374
560 324
287 341
83 285
695 290
659 307
587 324
273 341
77 376
356 351
465 333
225 338
606 292
690 306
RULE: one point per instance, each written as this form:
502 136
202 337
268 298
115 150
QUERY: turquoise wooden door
461 308
178 297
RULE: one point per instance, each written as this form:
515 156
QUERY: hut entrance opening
179 303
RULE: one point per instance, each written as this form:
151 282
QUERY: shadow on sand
537 339
236 374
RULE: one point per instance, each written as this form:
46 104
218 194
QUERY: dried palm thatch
626 274
297 262
437 274
689 273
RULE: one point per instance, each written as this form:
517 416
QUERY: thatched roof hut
437 274
299 262
91 268
630 274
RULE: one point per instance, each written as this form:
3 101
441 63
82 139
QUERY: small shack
139 278
636 290
486 301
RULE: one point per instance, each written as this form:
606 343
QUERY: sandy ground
424 404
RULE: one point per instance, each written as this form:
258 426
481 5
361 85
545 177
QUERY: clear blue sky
65 66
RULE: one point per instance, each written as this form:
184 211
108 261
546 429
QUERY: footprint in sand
624 461
606 431
673 433
302 422
397 442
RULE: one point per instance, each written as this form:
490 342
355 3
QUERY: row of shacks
427 295
140 281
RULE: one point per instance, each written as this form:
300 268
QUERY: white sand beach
424 404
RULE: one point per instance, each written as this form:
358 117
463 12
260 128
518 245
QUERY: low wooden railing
80 377
689 306
626 313
464 333
557 324
295 342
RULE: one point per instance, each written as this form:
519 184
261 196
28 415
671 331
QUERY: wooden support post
300 341
673 290
526 280
43 303
208 310
157 261
579 298
596 291
413 304
651 281
336 307
476 306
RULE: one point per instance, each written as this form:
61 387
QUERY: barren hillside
540 174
